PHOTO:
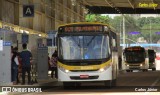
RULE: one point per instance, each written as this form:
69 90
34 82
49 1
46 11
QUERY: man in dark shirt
26 57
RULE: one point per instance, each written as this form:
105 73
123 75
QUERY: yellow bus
87 52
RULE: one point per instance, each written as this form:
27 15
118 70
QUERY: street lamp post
124 38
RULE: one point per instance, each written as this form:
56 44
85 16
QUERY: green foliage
142 25
97 18
150 29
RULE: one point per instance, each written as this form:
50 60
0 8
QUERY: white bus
87 52
135 58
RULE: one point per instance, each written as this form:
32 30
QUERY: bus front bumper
136 67
85 76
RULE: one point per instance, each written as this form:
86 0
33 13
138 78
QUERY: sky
142 15
111 15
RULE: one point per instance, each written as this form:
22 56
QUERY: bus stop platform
39 82
42 84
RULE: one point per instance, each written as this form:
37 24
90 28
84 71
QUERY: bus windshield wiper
90 41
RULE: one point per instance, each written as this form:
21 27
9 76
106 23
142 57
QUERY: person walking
26 57
54 65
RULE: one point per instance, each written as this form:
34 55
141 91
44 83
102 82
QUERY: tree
145 25
97 18
130 25
148 30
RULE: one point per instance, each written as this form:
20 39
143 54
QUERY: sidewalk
42 84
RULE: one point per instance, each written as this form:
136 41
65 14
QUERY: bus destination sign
83 29
134 49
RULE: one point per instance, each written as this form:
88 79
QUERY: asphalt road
128 83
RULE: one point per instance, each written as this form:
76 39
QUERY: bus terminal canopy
122 6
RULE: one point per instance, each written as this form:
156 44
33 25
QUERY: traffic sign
28 10
1 45
7 43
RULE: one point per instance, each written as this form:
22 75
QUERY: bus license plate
84 76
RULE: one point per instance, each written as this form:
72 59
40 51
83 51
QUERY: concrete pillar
1 1
16 14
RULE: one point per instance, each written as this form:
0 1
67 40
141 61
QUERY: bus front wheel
153 69
68 85
108 83
127 70
145 70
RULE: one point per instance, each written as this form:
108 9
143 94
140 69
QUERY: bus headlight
64 70
103 69
141 65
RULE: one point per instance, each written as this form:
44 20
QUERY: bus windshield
134 56
84 47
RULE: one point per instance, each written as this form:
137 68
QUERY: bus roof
78 23
89 23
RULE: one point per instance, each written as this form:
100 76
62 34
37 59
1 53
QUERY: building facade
49 14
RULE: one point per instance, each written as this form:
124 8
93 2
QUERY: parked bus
135 58
87 52
152 56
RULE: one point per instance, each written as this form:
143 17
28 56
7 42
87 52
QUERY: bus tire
127 70
108 84
153 69
114 83
144 70
68 85
78 84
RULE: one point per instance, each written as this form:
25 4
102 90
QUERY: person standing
49 65
54 65
26 57
14 66
19 63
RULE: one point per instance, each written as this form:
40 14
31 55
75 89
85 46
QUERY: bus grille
83 70
134 65
78 77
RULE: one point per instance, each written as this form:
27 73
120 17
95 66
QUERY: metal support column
124 38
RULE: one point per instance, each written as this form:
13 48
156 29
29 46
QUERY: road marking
155 82
132 80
